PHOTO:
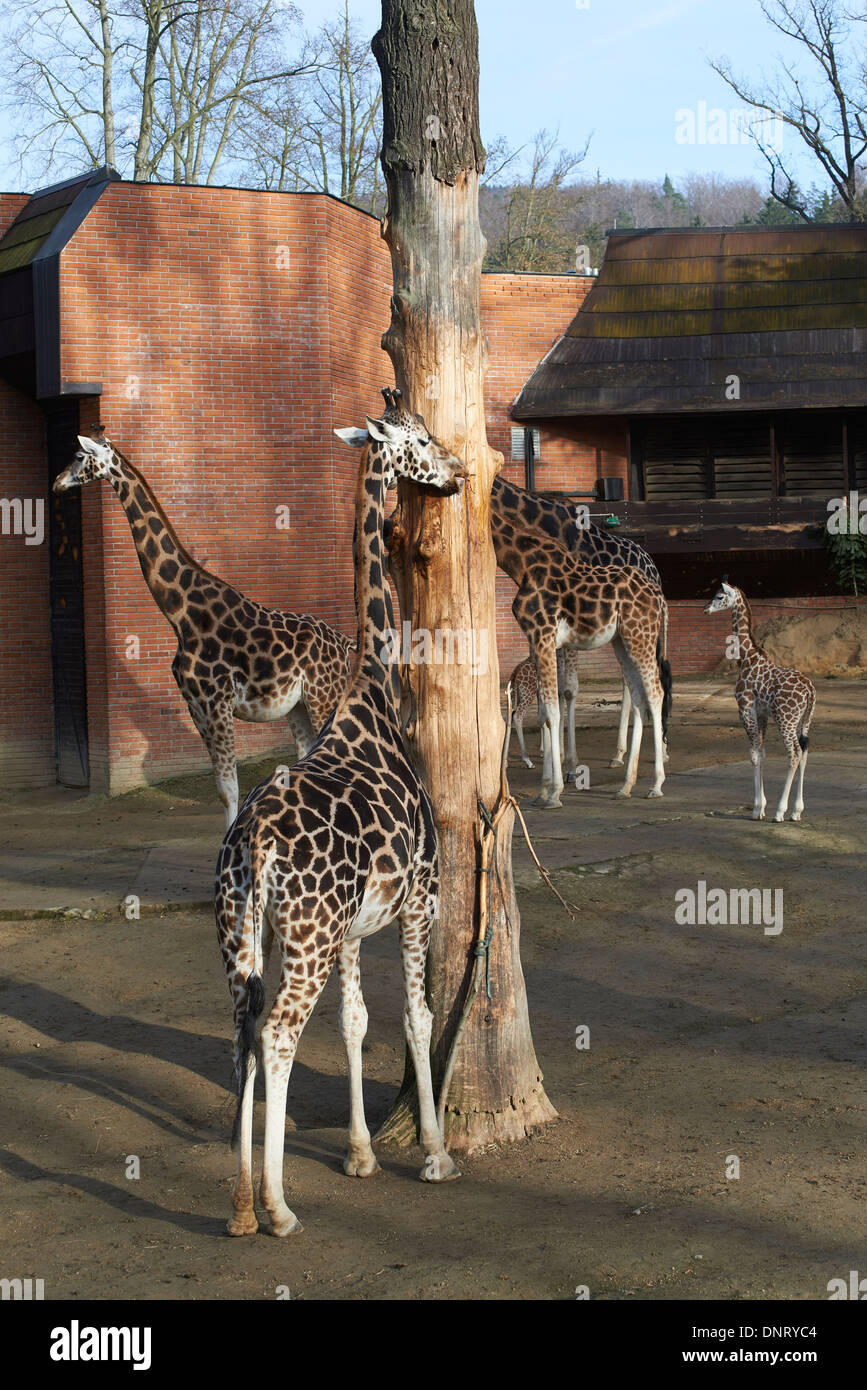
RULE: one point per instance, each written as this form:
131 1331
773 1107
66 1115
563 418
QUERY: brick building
221 335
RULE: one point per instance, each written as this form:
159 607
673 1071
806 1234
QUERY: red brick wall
697 641
230 331
10 206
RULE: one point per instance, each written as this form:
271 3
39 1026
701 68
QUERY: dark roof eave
656 403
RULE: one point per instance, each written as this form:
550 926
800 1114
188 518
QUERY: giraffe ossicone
333 852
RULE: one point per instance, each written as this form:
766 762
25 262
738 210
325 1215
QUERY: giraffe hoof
653 792
796 815
363 1167
439 1168
758 815
285 1228
243 1223
624 794
616 762
526 762
778 818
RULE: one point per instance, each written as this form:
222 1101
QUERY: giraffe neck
155 540
742 627
373 604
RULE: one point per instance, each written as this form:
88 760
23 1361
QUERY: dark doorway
67 601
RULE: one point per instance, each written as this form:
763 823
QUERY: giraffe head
94 459
725 597
409 449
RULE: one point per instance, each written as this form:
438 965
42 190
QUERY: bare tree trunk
432 157
107 99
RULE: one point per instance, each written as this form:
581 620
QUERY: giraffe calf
524 681
764 690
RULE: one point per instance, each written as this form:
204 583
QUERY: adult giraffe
515 510
236 659
567 596
330 851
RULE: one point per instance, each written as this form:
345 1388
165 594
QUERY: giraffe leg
803 744
795 757
414 926
570 701
235 933
292 1007
658 747
638 702
754 730
549 718
360 1161
244 1222
518 726
625 711
799 795
301 729
634 752
216 725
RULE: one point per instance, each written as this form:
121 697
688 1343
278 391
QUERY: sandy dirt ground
706 1043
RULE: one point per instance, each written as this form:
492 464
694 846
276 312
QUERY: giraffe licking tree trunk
235 659
330 851
763 690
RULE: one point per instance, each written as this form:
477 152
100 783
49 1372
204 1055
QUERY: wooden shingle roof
675 313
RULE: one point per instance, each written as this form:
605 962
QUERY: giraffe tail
664 674
255 1001
806 720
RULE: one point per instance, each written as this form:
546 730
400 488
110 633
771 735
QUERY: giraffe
524 681
763 689
565 599
330 851
515 510
236 659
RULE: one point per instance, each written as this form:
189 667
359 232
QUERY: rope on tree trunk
488 836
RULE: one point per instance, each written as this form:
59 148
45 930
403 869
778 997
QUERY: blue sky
619 68
622 69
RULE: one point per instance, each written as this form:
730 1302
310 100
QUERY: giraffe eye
424 442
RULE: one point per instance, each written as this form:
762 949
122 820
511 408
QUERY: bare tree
324 133
154 87
532 235
821 98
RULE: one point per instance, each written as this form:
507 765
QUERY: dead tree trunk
432 156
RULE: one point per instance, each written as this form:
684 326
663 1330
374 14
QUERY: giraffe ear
89 446
354 437
381 430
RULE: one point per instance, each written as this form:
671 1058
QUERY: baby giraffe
524 681
764 689
330 851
